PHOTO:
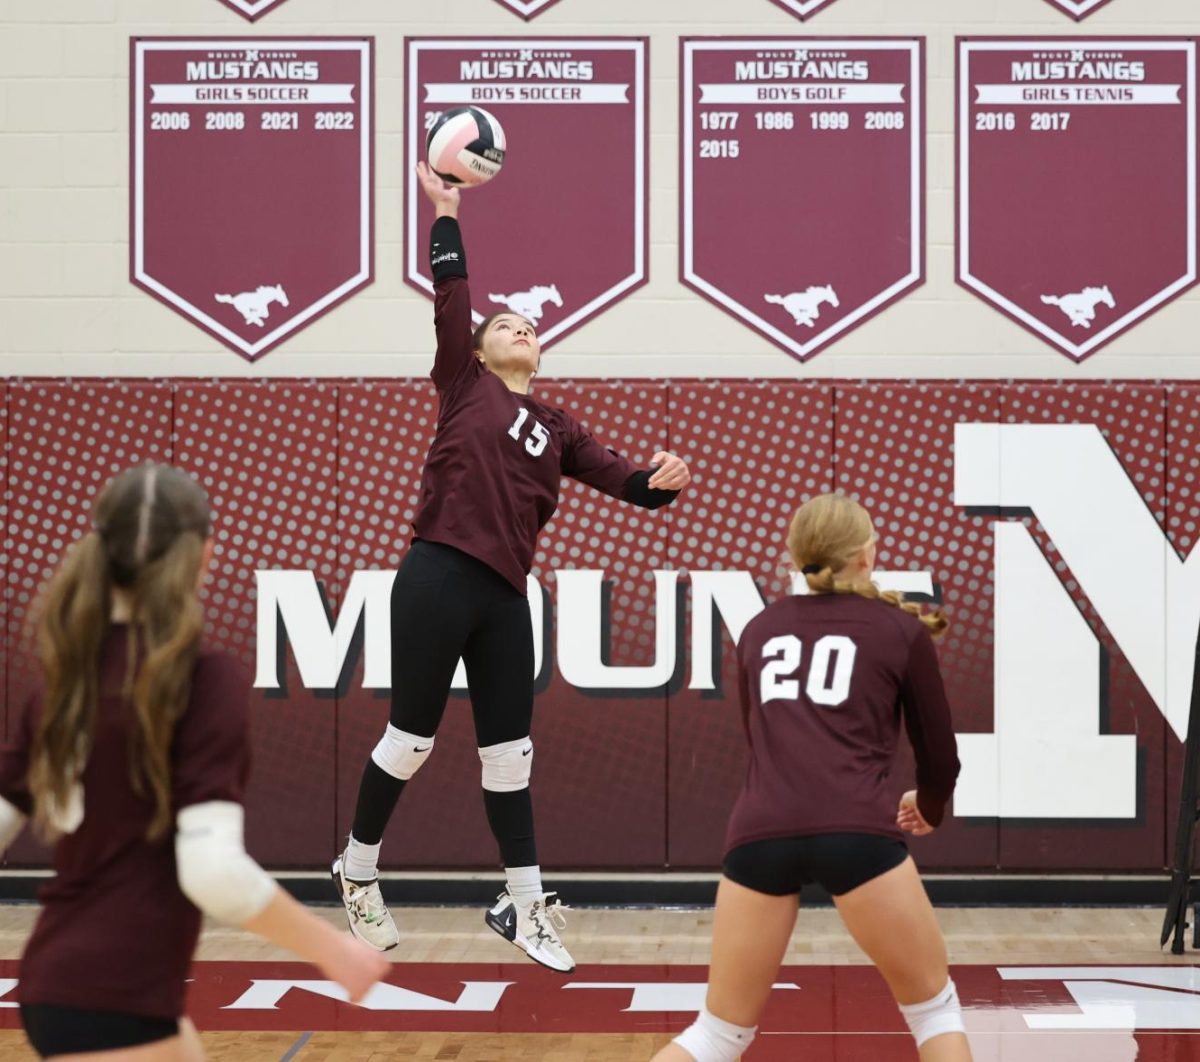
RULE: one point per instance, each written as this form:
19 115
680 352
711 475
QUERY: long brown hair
827 534
149 528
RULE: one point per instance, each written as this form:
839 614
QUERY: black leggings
447 605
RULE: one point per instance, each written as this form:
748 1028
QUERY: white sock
361 861
524 884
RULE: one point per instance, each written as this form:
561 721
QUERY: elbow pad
214 871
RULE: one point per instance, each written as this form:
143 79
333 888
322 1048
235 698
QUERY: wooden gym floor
1079 984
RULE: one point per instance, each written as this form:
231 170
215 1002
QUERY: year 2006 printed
233 121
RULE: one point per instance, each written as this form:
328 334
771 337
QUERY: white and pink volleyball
465 146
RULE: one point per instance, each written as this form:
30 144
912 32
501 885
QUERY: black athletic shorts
838 862
72 1030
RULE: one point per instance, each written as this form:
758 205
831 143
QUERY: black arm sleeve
638 491
447 256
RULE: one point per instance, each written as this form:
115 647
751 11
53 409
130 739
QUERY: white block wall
67 307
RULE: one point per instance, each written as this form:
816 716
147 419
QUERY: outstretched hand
670 472
444 197
909 817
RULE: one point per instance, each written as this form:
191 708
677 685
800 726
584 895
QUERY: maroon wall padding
268 456
66 439
324 475
1183 530
894 451
756 451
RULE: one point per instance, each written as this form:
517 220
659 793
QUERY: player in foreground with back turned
824 679
490 484
133 758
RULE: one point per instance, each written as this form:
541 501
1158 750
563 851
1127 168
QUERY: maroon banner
802 174
802 8
251 208
527 9
1078 9
252 9
560 235
1077 182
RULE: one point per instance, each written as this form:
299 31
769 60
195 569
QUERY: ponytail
74 620
824 582
827 535
151 524
169 620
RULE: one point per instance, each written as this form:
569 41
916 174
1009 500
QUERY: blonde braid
826 535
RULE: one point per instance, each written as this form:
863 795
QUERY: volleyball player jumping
490 484
824 679
133 756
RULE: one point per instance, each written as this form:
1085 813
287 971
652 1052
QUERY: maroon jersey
824 680
115 932
492 477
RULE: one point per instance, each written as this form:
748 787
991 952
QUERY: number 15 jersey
825 680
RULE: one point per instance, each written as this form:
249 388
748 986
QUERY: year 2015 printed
1006 121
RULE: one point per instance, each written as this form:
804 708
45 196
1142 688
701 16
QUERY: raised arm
452 298
927 720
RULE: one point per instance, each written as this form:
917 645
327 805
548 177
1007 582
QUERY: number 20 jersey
825 680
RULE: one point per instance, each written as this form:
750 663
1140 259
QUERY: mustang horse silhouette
805 306
255 305
529 303
1080 306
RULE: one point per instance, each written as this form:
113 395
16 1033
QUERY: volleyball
465 146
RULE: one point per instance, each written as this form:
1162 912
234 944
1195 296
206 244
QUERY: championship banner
1077 181
1078 9
803 181
527 9
560 234
251 190
252 9
802 8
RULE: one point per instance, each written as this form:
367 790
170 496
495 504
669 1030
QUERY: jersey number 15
540 436
830 669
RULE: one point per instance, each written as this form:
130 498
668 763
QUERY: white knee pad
942 1014
507 766
710 1039
401 754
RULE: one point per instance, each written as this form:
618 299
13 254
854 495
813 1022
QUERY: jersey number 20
540 436
830 670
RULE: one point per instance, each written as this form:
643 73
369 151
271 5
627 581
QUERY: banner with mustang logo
251 211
